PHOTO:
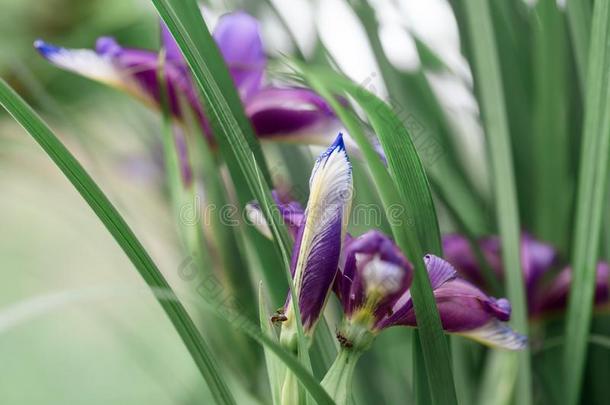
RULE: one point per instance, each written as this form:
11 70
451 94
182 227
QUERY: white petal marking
497 334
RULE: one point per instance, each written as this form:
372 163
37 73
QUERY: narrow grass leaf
592 191
552 187
491 99
275 369
121 232
579 21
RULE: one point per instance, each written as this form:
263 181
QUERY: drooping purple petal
317 250
132 70
466 310
295 114
554 297
238 38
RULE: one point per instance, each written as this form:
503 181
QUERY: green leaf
592 189
491 99
551 176
405 187
275 369
579 21
121 232
499 379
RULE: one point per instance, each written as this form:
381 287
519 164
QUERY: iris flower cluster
370 277
368 274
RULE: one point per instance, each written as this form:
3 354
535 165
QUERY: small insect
279 316
343 341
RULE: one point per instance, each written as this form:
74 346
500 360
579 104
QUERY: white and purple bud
318 244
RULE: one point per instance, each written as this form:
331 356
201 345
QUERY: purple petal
318 245
297 113
462 307
536 258
439 271
143 66
458 252
554 297
239 40
172 51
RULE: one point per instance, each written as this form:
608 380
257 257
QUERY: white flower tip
256 217
46 49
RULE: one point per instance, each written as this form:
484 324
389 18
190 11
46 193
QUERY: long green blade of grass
549 136
592 189
491 99
121 232
415 229
579 21
275 369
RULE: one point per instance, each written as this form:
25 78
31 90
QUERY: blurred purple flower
295 113
291 212
373 287
546 289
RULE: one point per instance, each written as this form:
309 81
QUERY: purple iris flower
546 289
373 287
295 113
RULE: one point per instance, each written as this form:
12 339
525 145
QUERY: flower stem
292 393
338 380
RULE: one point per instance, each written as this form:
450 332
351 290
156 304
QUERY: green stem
338 379
292 394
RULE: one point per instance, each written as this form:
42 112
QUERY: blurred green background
76 341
